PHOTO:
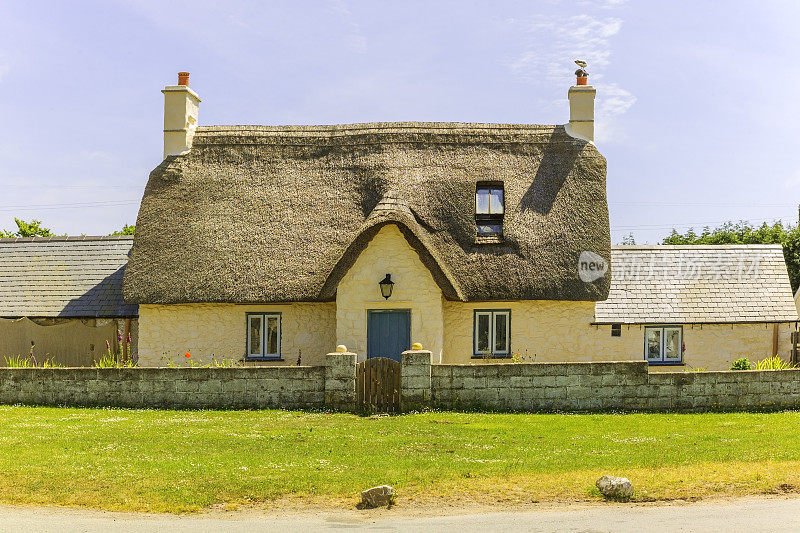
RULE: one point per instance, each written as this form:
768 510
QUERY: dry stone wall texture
576 387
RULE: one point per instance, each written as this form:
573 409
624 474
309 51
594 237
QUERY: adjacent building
61 299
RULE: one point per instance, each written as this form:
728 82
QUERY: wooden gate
378 385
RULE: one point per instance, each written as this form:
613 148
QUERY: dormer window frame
490 207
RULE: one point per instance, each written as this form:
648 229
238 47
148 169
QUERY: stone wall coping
573 363
154 368
751 371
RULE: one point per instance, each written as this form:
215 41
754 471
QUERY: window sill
487 357
261 359
663 363
489 239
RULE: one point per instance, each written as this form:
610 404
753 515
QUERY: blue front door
388 333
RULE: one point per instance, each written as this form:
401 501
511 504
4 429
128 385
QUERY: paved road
730 515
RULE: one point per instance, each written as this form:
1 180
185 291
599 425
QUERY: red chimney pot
583 80
183 78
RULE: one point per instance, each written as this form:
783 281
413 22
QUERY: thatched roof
64 277
275 214
741 283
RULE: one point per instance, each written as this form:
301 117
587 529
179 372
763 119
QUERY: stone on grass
377 496
615 488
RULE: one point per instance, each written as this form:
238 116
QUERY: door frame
388 310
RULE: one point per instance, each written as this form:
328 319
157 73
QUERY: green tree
126 230
743 232
33 228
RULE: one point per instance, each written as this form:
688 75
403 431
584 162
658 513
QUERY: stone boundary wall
609 386
290 387
340 380
415 380
606 386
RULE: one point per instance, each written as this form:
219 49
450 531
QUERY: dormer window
489 207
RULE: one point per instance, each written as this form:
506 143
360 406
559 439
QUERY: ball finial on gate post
416 346
341 349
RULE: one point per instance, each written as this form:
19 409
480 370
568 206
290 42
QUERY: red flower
188 355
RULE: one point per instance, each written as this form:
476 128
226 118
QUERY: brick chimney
180 116
581 108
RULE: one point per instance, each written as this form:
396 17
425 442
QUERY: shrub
773 363
224 363
110 360
193 362
114 360
742 363
17 361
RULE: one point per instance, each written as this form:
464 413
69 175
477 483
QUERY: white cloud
551 42
97 155
793 182
613 101
5 66
354 39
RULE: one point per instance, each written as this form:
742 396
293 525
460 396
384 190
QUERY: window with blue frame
663 345
492 333
263 336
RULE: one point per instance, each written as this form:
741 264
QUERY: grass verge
185 461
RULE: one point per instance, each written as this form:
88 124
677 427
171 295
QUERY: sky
697 101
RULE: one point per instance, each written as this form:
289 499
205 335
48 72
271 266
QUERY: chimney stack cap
183 78
581 73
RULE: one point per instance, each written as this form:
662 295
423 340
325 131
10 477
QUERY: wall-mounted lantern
386 285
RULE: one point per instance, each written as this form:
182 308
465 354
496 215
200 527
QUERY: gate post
340 380
415 380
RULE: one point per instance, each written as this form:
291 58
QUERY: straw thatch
276 214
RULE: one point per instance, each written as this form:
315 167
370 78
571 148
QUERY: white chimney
581 109
180 116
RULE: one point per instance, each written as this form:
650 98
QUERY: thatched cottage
480 241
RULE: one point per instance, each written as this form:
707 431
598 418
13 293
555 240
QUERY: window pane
489 229
496 202
672 343
482 332
272 335
653 337
501 332
254 336
482 201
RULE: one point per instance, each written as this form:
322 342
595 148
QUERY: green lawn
179 461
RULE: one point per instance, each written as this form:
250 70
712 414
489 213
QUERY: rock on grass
615 488
380 496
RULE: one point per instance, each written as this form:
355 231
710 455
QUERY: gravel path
748 514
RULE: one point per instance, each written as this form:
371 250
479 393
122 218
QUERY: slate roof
64 277
697 284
